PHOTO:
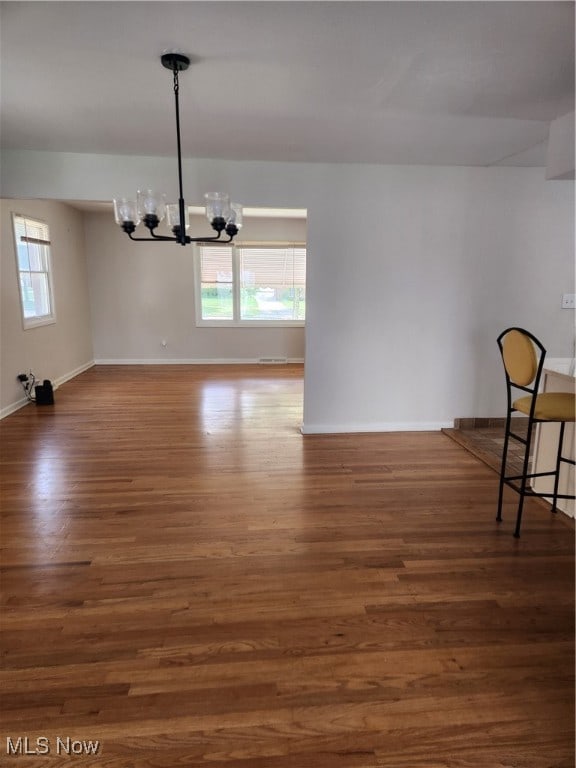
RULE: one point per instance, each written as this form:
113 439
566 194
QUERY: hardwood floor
189 581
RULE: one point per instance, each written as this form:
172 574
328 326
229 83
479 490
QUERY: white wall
560 154
453 257
412 271
143 293
57 351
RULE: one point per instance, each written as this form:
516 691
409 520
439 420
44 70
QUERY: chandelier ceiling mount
176 62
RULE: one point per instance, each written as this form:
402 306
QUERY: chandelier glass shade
150 207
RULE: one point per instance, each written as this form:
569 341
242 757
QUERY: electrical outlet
568 301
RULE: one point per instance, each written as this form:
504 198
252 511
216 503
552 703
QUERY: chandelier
151 208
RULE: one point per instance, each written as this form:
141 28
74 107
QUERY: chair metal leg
503 467
558 463
524 481
519 516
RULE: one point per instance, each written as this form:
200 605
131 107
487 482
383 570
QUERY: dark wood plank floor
189 581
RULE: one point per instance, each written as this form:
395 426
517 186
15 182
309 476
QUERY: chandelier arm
163 237
211 240
216 238
153 238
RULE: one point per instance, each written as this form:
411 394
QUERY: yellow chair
523 357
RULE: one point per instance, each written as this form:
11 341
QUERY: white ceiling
465 83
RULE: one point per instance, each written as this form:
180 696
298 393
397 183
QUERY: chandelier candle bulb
235 215
217 206
125 210
173 217
151 203
151 208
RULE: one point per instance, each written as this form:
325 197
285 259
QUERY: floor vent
273 360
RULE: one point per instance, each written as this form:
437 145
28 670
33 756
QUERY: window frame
37 321
236 321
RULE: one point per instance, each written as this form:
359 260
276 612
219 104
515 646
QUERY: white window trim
28 323
236 323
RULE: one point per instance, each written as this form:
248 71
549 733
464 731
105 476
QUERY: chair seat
550 406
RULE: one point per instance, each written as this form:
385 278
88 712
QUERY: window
32 240
257 284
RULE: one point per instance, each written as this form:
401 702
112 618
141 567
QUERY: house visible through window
251 285
32 239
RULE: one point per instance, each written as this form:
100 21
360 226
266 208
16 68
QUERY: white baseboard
387 426
72 374
194 361
13 407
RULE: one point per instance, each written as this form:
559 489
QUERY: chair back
523 357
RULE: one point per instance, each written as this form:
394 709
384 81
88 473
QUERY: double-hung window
32 242
251 284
